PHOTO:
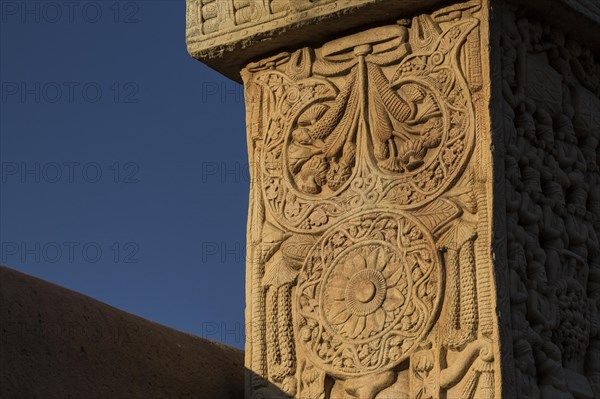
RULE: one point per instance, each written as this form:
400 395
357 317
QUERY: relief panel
550 105
370 270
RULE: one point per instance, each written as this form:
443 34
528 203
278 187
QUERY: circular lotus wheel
368 293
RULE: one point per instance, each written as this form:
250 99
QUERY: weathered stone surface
547 110
371 271
227 34
425 205
55 343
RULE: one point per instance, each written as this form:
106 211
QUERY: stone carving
218 15
227 34
420 127
551 100
369 294
425 195
215 21
369 267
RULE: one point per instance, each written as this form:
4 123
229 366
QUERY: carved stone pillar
423 216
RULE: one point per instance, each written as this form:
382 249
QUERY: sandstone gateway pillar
425 200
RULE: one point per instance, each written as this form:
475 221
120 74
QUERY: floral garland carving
401 140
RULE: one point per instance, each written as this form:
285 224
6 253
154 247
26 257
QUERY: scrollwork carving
374 230
368 293
402 139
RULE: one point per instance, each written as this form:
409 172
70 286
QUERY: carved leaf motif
271 240
468 201
279 272
347 126
331 119
459 232
296 248
394 104
437 214
382 125
312 115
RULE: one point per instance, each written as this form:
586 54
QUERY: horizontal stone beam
228 34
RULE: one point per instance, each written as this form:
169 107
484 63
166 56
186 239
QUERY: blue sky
123 162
